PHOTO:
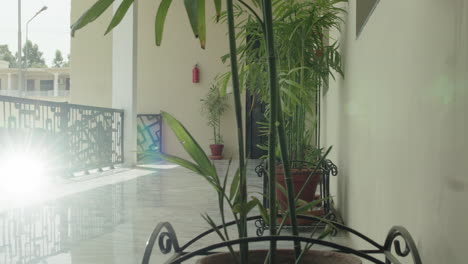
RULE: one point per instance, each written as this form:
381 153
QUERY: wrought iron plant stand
327 169
397 246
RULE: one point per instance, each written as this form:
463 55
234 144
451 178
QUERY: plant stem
253 12
270 51
276 105
288 181
244 247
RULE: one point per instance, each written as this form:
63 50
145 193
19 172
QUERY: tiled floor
108 219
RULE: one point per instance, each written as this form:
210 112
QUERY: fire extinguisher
195 74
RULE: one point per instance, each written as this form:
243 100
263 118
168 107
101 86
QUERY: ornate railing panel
75 137
31 235
149 134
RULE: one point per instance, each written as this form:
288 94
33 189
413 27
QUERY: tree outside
34 56
6 55
58 60
67 63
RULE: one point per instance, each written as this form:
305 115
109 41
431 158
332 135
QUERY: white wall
165 73
91 59
164 76
398 124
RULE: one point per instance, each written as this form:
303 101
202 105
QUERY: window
47 85
67 84
364 9
30 85
0 84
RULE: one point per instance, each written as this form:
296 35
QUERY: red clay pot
216 151
299 177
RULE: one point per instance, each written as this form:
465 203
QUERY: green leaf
191 8
213 225
306 207
261 208
234 185
201 10
191 146
119 15
193 167
182 162
244 209
249 206
91 14
226 176
218 9
161 19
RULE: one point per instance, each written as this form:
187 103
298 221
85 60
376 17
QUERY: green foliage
304 63
213 107
195 12
58 60
306 58
6 55
66 63
33 56
119 14
93 13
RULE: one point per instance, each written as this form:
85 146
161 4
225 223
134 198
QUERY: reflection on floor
111 222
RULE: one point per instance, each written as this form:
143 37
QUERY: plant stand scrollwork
328 169
398 246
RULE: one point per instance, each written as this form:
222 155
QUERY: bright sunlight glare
23 176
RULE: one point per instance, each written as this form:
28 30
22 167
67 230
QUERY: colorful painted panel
149 135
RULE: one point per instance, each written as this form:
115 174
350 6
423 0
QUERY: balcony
16 93
395 116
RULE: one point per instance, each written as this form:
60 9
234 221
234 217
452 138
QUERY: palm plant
236 196
305 60
213 107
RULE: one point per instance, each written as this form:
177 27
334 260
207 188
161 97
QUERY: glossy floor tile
110 220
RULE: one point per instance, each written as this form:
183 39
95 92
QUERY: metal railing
51 93
73 137
35 233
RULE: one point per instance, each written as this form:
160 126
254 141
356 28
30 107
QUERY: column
9 81
124 79
37 85
56 84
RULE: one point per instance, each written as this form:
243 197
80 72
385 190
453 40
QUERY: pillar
56 84
124 79
9 82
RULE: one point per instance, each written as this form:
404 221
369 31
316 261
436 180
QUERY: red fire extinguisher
195 74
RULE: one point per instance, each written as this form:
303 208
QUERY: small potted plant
213 107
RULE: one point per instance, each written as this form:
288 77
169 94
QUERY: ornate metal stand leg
393 239
167 241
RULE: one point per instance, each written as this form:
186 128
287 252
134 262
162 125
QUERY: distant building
51 84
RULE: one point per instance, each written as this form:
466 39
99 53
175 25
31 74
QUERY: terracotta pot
285 256
299 177
216 151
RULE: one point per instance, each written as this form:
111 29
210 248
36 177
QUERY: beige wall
398 124
91 59
164 73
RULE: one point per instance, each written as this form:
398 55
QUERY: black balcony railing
73 138
33 234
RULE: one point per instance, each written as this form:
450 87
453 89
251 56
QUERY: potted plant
236 197
305 60
213 107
